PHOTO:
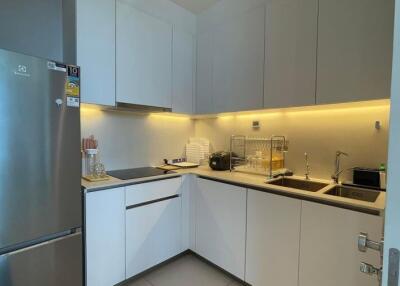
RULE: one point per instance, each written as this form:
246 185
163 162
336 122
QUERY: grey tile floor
185 271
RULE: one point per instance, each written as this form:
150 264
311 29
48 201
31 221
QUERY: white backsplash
318 132
129 140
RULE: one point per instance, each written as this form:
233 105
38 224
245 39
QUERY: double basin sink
360 194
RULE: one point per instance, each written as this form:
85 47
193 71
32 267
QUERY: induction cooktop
136 173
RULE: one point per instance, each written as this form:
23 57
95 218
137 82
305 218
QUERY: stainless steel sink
304 185
365 195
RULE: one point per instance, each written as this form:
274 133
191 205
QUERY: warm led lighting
169 116
259 115
90 110
353 107
226 117
365 106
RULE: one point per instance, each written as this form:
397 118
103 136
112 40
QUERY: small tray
168 167
185 165
96 179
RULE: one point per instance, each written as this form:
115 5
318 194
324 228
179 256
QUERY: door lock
364 243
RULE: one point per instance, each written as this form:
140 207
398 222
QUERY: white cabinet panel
290 47
238 62
144 58
328 250
153 235
105 237
272 243
204 92
95 21
140 193
183 72
355 39
188 212
221 225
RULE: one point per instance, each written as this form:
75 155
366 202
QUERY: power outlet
256 124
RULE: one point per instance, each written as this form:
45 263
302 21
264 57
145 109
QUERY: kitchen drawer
146 192
159 237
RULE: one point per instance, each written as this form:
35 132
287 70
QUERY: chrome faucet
307 174
337 173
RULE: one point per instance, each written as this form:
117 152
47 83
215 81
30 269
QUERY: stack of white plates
197 150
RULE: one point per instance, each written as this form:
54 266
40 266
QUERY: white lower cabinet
188 212
261 238
328 250
153 234
273 235
105 237
221 225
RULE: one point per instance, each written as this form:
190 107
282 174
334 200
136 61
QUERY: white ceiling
195 6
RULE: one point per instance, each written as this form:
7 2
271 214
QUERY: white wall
128 140
318 132
33 27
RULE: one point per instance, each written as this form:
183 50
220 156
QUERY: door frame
392 212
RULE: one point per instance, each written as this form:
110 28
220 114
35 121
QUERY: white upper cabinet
355 39
290 51
144 58
238 62
204 92
183 71
95 21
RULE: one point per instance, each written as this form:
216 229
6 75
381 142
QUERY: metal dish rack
261 149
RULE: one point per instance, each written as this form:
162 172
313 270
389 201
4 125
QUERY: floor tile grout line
148 281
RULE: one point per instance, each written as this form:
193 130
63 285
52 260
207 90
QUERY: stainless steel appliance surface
136 173
40 170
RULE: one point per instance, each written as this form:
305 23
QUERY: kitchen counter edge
250 181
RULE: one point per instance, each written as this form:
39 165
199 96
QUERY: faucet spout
336 174
307 174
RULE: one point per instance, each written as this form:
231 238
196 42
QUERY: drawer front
146 192
159 237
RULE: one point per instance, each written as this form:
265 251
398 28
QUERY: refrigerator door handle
15 249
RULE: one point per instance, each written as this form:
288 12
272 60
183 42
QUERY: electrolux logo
22 70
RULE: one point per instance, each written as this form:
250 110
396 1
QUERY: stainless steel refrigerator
40 170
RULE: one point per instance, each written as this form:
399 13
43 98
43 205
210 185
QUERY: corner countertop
251 181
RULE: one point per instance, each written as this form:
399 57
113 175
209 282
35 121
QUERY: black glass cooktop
136 173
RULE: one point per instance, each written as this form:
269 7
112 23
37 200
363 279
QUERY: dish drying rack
258 155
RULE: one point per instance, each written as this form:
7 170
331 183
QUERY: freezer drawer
57 262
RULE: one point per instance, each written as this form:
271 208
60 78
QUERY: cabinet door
95 22
183 72
238 62
188 212
328 250
105 237
144 58
153 235
290 47
272 243
204 92
221 225
355 39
